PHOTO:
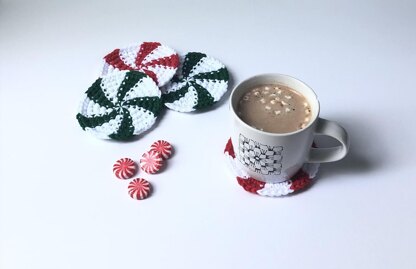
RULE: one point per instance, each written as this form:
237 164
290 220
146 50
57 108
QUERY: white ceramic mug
275 157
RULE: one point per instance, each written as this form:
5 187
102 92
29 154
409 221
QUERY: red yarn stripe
145 49
151 74
168 61
250 184
114 59
300 181
229 148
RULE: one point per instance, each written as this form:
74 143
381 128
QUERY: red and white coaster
152 58
163 147
139 188
151 162
124 168
301 180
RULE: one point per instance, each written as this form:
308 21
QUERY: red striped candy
163 147
124 168
139 188
151 162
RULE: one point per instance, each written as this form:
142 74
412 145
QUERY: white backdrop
61 207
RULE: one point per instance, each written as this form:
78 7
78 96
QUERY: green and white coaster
120 105
199 82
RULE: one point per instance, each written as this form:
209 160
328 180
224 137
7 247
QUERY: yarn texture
152 58
199 82
301 180
120 105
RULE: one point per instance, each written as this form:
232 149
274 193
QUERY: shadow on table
365 153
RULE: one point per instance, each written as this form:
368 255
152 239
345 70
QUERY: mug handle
324 155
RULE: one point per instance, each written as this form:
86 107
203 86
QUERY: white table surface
61 207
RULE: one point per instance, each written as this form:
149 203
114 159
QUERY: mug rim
311 122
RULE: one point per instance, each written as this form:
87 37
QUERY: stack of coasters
139 80
300 181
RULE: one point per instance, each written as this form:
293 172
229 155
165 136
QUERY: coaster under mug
300 181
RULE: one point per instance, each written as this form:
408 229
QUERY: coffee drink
274 108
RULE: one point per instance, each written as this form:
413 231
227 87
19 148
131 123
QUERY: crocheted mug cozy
152 58
120 105
199 82
301 180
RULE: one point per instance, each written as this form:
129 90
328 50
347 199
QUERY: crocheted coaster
199 82
301 180
152 58
120 105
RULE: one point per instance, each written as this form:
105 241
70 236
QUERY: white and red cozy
139 188
163 147
151 162
124 168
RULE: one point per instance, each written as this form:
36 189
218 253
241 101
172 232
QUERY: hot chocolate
274 108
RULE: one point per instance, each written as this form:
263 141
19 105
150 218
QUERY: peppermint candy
163 147
139 188
120 105
152 58
199 82
151 162
124 168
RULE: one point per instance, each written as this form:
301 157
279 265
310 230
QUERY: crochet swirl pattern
199 82
138 81
120 105
152 58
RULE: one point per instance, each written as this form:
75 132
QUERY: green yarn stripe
220 74
191 59
96 93
204 97
126 129
175 95
92 122
175 79
152 104
131 79
200 82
